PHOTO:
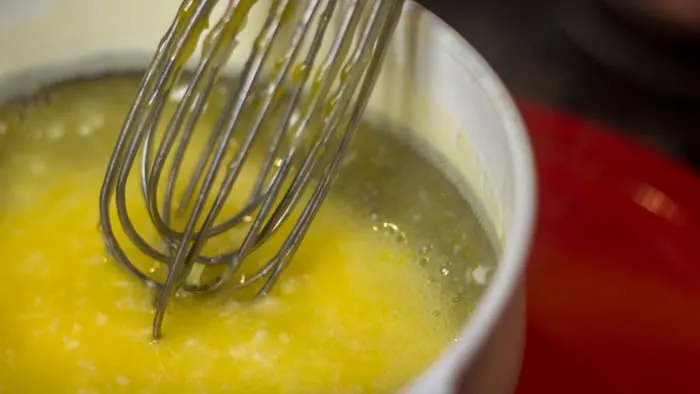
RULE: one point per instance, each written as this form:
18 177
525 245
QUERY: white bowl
433 81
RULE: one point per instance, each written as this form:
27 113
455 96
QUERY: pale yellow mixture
353 314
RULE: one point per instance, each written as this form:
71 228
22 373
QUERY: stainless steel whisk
332 94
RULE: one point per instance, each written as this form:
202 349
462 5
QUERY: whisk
300 162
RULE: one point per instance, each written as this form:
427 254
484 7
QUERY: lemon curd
364 306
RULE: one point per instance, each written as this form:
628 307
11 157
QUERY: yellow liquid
351 315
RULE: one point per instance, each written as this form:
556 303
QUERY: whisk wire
192 241
311 209
314 112
129 138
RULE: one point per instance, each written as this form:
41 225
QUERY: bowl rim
460 356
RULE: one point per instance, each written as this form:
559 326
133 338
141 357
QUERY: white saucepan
433 81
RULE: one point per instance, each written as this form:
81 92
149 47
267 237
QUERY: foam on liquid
354 313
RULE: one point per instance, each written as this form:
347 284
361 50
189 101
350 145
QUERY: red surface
614 278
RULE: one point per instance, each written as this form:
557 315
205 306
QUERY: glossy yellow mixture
353 313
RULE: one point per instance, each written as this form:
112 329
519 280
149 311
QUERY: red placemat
614 278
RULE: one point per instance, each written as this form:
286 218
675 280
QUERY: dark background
563 54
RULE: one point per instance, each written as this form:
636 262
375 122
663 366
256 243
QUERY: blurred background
632 65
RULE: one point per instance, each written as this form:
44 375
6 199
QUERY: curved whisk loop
313 92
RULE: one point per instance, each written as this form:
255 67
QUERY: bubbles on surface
444 271
373 216
425 250
424 261
480 275
394 232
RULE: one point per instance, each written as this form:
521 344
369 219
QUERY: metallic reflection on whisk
322 107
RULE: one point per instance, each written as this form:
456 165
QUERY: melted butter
350 314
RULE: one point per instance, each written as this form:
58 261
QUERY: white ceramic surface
433 81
